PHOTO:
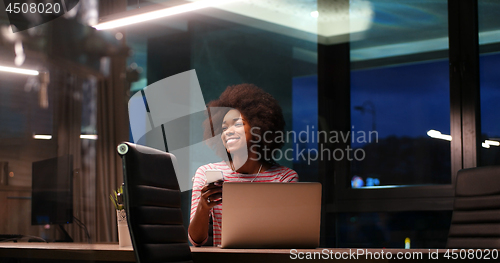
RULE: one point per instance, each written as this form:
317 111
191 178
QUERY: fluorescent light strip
159 14
19 71
485 145
88 136
42 137
48 137
438 135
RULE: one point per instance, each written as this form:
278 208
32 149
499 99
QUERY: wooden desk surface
79 252
67 251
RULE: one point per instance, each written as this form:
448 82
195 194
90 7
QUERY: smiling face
235 131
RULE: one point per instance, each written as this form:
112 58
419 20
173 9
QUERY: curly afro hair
260 110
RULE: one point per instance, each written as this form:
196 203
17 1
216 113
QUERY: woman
243 114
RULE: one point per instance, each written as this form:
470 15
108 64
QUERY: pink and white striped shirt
276 173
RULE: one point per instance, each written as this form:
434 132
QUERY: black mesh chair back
153 204
476 213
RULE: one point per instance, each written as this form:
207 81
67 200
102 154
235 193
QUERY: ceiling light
118 36
438 135
134 19
19 70
48 137
88 136
485 145
315 14
42 137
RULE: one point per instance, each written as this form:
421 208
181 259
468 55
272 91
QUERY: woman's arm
200 208
198 228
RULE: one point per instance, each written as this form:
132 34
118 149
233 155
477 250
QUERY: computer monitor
52 191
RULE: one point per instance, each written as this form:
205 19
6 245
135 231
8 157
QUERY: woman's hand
211 195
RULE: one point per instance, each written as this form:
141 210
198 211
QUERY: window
400 102
489 61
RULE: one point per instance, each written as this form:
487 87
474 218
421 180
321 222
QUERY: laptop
271 215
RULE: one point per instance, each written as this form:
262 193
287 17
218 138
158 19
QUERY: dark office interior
413 84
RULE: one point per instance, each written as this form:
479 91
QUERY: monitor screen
52 191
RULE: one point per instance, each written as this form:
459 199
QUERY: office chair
476 213
153 204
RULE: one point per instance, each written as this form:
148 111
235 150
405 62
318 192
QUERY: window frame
334 106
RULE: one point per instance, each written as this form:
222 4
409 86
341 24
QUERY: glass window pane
425 229
400 102
261 43
489 61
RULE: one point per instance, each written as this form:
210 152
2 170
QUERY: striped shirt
276 173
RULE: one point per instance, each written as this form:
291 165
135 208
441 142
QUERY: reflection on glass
489 61
400 96
271 44
426 229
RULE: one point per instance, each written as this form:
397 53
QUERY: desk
74 252
62 252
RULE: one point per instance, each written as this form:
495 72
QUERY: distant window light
357 182
438 135
493 143
372 181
